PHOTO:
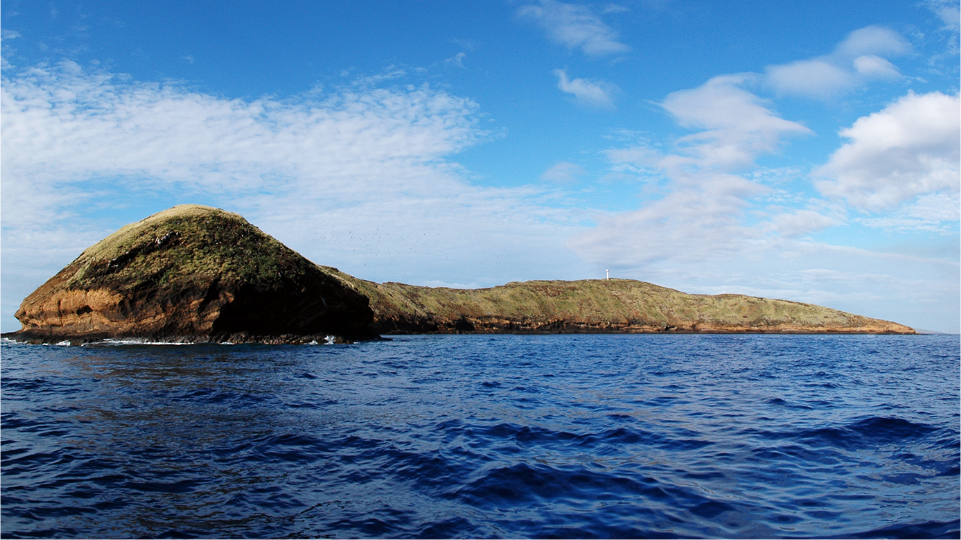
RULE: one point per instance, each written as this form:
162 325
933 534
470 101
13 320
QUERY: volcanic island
196 274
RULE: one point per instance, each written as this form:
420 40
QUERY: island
203 275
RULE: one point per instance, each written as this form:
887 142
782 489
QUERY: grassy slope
615 303
209 243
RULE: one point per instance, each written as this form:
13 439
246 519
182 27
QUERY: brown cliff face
597 306
192 273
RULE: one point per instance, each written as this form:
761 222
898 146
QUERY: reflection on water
486 436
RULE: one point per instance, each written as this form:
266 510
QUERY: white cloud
563 172
737 126
5 51
951 16
704 209
817 78
357 177
615 8
591 93
854 61
948 11
935 207
933 212
574 26
872 40
686 226
457 60
908 149
799 223
875 67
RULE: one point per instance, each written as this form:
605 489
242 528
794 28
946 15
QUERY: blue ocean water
486 436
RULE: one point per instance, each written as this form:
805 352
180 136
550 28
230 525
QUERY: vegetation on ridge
615 305
198 242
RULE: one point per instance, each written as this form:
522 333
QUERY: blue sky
799 150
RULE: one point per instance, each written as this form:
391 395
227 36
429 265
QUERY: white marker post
608 275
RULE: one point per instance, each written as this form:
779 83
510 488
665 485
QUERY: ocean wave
449 437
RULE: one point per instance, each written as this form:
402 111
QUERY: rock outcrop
192 273
596 306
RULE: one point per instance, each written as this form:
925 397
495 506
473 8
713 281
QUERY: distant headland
199 274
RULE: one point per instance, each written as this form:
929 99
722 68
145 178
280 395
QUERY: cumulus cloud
575 27
359 177
590 93
908 149
856 60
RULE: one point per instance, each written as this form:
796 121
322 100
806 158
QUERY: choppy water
479 436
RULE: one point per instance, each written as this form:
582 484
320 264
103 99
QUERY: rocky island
192 273
199 274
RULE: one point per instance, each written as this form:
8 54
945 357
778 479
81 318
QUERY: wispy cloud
736 127
948 11
456 60
563 172
706 201
586 92
575 26
858 59
359 177
467 44
615 8
6 51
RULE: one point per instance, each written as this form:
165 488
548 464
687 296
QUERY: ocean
612 436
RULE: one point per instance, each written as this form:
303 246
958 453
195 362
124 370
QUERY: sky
802 150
